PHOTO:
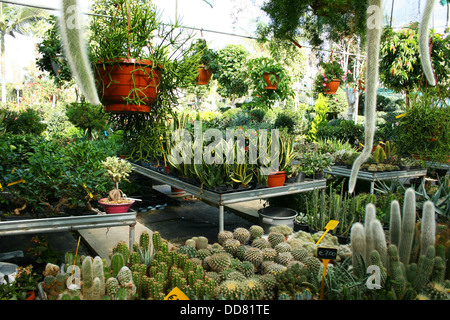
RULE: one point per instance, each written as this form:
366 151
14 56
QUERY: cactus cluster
411 261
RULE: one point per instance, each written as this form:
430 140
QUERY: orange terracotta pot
270 85
116 79
204 76
276 179
332 86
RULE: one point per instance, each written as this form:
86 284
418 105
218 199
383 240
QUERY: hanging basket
332 86
204 76
269 84
124 78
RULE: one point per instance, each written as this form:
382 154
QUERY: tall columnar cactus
117 262
374 30
408 226
74 44
369 216
144 240
424 45
122 247
98 272
358 245
424 268
395 223
428 227
87 276
157 240
397 271
379 240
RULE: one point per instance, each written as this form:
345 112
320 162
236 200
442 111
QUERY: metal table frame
59 224
377 176
222 199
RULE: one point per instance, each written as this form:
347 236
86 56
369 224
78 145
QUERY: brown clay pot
270 85
204 75
115 80
276 179
332 86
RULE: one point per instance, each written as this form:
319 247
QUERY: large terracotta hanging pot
270 85
204 75
332 86
127 78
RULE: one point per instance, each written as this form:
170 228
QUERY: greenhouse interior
247 151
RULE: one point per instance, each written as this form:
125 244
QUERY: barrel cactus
242 234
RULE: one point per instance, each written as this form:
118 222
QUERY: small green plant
118 169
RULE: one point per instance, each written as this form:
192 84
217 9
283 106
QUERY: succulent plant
256 231
219 261
254 255
224 235
275 238
242 234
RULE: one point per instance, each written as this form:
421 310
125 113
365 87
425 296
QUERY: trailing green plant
328 71
277 76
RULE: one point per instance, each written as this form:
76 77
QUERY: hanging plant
270 81
127 38
208 62
329 77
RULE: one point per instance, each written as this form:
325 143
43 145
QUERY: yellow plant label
400 115
330 226
16 182
1 187
176 294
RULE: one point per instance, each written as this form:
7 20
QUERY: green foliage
321 108
345 130
86 116
400 66
423 130
291 19
28 121
232 74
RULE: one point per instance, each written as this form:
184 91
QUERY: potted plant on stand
329 77
286 156
116 202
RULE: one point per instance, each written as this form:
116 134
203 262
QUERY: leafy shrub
345 130
24 122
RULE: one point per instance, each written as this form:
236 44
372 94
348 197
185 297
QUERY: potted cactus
118 169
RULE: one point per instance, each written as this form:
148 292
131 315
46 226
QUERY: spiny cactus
242 234
219 261
156 239
231 246
396 270
284 258
395 223
254 255
379 240
229 290
428 227
224 235
275 238
261 243
358 245
117 262
424 268
408 226
269 254
112 286
374 30
190 251
253 289
256 231
87 275
370 215
283 247
144 239
122 247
